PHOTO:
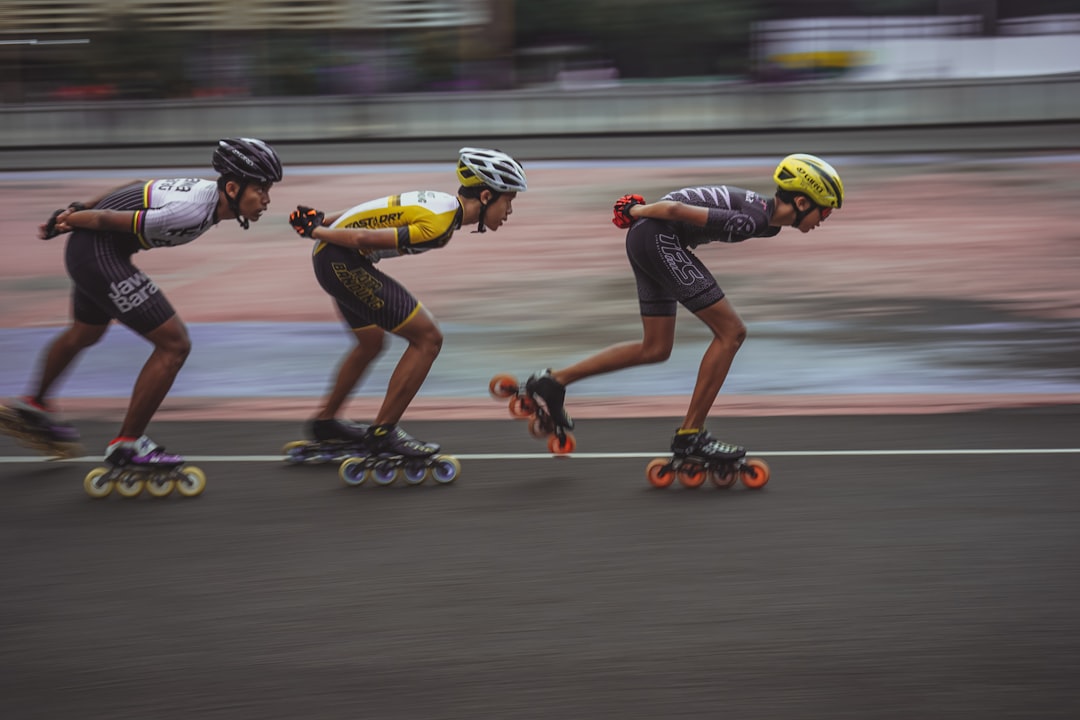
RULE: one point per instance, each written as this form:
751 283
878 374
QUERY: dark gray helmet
247 159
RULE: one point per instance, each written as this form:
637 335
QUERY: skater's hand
622 217
304 220
57 222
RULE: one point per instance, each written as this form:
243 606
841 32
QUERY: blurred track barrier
630 109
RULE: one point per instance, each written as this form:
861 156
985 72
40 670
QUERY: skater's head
490 180
247 169
811 187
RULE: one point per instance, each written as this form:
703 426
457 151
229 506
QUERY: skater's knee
651 354
81 336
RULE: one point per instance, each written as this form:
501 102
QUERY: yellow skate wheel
160 486
129 484
192 482
95 484
445 469
352 472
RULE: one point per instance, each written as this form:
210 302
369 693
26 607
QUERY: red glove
622 217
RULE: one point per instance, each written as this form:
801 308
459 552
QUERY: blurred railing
636 109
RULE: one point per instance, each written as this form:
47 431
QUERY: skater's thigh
170 335
667 273
364 294
109 286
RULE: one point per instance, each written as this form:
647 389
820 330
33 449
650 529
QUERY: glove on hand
622 207
49 230
304 220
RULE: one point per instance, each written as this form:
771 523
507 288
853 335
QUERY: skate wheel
692 476
414 472
503 386
191 481
659 473
445 469
538 428
755 473
385 472
129 485
353 472
96 483
522 406
723 479
294 452
563 446
160 487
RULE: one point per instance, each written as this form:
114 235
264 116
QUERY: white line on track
10 460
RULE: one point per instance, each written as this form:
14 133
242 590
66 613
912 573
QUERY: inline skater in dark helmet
106 232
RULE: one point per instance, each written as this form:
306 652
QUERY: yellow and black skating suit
424 220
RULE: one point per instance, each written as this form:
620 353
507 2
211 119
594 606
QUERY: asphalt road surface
894 567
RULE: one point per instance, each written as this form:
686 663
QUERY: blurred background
93 72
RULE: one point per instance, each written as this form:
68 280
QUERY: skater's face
255 200
499 210
813 218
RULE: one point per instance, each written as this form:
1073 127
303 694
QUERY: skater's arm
671 211
60 221
68 219
358 238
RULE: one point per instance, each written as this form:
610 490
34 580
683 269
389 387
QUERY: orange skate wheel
537 429
659 474
559 447
503 386
692 476
755 473
724 480
522 406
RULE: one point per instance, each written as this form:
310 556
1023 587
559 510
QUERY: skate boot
551 396
542 400
134 465
702 446
396 454
328 441
697 455
34 426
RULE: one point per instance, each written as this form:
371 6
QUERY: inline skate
392 454
328 441
37 429
143 464
699 456
541 400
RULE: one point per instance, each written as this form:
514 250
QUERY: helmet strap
480 223
234 204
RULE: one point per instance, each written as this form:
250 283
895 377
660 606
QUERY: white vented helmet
491 168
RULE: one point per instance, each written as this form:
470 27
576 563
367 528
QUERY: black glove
622 207
50 225
304 220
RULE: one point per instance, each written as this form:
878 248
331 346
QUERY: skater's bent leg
62 353
425 342
369 343
658 337
729 332
171 348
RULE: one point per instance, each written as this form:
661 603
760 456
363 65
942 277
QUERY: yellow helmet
811 176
